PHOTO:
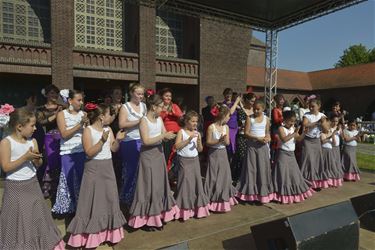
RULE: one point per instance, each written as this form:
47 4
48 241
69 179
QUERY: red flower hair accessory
6 109
150 92
90 106
215 111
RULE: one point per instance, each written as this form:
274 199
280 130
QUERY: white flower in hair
287 109
43 92
64 93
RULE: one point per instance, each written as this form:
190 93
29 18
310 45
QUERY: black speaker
328 228
364 206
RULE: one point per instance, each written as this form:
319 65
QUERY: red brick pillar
147 46
62 42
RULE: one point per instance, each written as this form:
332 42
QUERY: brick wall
224 51
62 42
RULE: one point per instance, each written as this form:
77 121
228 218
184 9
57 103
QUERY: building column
147 45
223 53
62 43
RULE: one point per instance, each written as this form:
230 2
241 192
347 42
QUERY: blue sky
318 44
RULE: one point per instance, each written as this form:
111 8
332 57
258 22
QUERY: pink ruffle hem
321 183
255 197
154 220
199 212
60 246
224 206
351 177
94 240
336 182
288 199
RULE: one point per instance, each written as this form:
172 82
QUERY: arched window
25 20
169 33
99 24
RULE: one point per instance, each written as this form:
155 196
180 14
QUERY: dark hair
20 116
336 103
352 121
333 116
50 88
278 97
315 100
260 102
208 97
248 96
165 90
289 114
135 85
223 111
73 93
94 114
228 91
153 100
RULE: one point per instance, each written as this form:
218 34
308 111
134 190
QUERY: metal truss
270 75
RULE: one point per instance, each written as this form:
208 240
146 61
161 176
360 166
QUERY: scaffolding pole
270 76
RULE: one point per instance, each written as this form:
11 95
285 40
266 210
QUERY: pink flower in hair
215 111
150 92
6 109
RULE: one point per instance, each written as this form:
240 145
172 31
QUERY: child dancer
337 133
312 159
190 196
349 157
129 118
25 219
153 201
256 177
98 218
289 184
218 186
70 123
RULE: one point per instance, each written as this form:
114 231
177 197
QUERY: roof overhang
259 14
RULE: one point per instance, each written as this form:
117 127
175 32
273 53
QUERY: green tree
355 54
372 55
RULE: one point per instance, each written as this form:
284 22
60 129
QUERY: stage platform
232 230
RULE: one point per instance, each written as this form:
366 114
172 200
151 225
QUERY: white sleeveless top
351 134
189 150
105 153
258 129
337 137
133 132
291 144
154 128
74 143
216 135
313 132
26 170
328 144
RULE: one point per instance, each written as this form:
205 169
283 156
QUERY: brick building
95 45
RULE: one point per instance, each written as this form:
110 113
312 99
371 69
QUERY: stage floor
232 230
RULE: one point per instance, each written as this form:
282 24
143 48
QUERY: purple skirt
69 184
130 151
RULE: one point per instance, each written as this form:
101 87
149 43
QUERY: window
25 20
169 27
99 24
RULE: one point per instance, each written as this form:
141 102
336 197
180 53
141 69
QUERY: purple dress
233 129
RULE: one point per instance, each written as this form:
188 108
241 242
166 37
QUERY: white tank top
337 137
258 129
105 153
189 150
74 143
328 144
216 135
154 128
314 132
27 170
291 144
133 133
351 134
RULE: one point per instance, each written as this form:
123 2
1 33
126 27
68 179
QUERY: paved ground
366 148
232 230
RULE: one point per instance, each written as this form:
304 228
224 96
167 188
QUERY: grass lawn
365 161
